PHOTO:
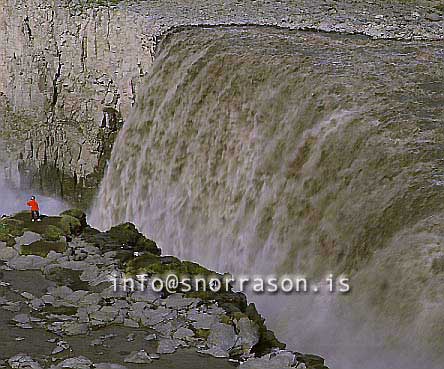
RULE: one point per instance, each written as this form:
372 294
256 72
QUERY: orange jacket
33 204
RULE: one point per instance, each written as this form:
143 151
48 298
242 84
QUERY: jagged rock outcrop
68 298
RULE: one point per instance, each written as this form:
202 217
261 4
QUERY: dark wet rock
70 225
78 214
311 361
128 236
67 277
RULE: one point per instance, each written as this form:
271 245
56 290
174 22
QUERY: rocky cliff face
70 70
70 76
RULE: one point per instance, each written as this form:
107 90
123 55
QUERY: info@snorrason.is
272 284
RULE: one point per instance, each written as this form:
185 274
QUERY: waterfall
259 150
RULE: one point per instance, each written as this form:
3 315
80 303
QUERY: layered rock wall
70 76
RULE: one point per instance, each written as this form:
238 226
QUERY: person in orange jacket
35 210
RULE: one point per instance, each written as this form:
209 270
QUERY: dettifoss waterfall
258 150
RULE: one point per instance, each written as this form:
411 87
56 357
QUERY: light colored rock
248 333
216 352
183 334
22 318
20 361
177 301
27 238
37 304
164 328
203 320
130 323
109 366
79 362
277 360
138 357
8 253
61 292
153 317
74 328
168 346
222 336
28 262
27 295
150 337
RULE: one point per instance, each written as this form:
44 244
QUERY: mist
13 201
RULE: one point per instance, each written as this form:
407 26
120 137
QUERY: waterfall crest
258 150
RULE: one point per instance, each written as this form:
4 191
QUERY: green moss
78 214
238 316
60 310
127 234
53 233
11 227
42 248
202 333
67 277
141 264
152 264
226 319
70 225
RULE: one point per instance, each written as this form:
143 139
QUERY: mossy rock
60 310
9 240
231 309
37 227
126 234
239 315
53 233
202 333
144 244
438 265
267 338
12 227
68 277
70 225
42 248
78 214
140 264
195 269
152 264
311 361
226 319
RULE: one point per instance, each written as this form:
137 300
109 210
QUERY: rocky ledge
60 307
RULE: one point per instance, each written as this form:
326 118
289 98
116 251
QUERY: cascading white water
255 150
